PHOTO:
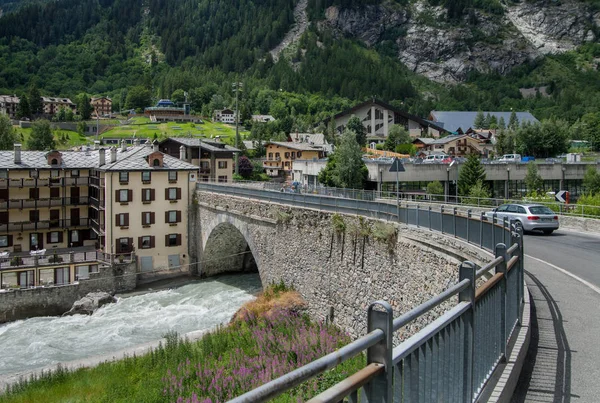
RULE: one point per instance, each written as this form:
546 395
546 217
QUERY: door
174 261
75 217
75 238
74 195
35 241
146 263
54 218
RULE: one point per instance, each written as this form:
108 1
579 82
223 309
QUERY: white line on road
584 282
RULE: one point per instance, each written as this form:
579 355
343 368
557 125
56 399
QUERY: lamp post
562 181
237 87
447 187
455 187
507 193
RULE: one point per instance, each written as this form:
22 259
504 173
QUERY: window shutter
152 195
178 239
152 217
140 242
48 238
118 246
178 216
178 193
117 220
152 241
117 195
143 218
166 216
167 194
129 195
10 240
127 219
60 236
167 240
130 243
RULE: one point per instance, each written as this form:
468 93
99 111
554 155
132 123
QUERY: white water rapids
40 342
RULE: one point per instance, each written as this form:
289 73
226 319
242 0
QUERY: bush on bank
267 338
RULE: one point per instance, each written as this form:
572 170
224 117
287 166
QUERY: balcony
65 223
272 165
97 182
43 182
37 203
205 170
98 203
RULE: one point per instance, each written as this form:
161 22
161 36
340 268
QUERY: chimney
96 144
101 157
113 154
155 145
17 153
123 145
136 141
182 153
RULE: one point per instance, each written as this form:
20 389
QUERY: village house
455 145
280 156
102 106
51 105
63 212
9 105
224 116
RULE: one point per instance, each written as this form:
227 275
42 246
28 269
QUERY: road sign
562 196
397 166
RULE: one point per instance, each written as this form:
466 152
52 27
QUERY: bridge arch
227 245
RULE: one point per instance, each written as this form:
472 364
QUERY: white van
435 159
510 158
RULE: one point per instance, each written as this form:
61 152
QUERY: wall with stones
332 267
56 300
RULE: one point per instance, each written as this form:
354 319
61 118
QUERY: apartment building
9 105
102 106
224 116
213 159
280 156
61 210
51 105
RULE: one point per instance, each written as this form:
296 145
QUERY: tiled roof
452 121
57 100
294 146
447 139
9 98
134 158
424 140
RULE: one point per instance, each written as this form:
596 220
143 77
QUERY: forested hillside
108 47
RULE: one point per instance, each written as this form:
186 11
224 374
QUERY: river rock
88 304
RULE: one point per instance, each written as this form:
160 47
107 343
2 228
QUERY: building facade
102 106
224 116
280 156
51 105
213 159
65 208
9 105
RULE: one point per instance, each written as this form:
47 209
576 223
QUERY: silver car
532 217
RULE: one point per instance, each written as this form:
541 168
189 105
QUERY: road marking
584 282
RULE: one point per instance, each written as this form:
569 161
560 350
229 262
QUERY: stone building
102 106
9 105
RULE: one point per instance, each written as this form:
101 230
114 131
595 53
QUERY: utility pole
237 87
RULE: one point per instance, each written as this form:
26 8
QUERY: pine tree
356 126
84 107
350 170
23 110
41 138
533 180
35 100
470 174
479 120
513 122
487 122
501 123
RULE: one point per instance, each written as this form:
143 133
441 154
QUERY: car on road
531 217
510 158
435 159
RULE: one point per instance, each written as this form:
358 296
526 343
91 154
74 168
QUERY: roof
385 105
453 120
424 140
9 99
309 138
99 98
207 145
294 146
447 139
134 158
57 100
249 144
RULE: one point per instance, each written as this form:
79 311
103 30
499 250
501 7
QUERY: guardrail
451 359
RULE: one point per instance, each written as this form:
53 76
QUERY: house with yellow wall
280 156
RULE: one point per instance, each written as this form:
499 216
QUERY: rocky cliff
426 41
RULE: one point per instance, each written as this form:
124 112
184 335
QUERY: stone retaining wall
336 271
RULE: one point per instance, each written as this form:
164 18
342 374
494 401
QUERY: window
34 215
5 241
146 176
173 240
34 193
299 154
172 176
123 177
147 218
172 216
122 219
54 237
54 192
82 272
33 173
94 268
4 174
222 164
172 193
156 162
55 173
145 242
222 179
123 195
75 173
147 195
123 245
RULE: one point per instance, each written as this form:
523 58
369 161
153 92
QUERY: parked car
447 160
510 158
527 159
435 159
531 217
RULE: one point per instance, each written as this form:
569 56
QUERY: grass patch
270 339
64 139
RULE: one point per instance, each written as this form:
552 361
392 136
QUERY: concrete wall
340 271
50 301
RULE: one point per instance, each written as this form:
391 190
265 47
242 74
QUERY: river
134 320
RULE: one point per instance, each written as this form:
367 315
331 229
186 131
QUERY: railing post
504 228
501 268
454 220
72 256
481 229
521 268
494 220
429 213
379 390
417 216
467 271
468 224
442 219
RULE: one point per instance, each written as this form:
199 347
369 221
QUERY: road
562 362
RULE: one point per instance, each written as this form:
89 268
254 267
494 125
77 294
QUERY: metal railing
41 182
451 359
46 224
47 202
23 260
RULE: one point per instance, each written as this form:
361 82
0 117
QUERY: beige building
51 105
457 146
102 106
280 156
224 116
9 105
63 212
213 158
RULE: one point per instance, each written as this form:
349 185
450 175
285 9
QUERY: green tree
471 173
84 107
546 139
588 128
487 122
41 138
436 190
35 100
501 123
23 110
356 127
81 128
350 170
397 135
591 180
60 115
326 174
513 122
478 193
138 98
479 120
178 96
533 180
8 136
493 122
245 167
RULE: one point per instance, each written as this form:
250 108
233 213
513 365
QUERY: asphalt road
562 361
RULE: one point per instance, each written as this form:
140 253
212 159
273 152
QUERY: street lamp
237 87
455 187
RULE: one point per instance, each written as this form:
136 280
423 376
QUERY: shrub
435 188
385 233
338 224
591 205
